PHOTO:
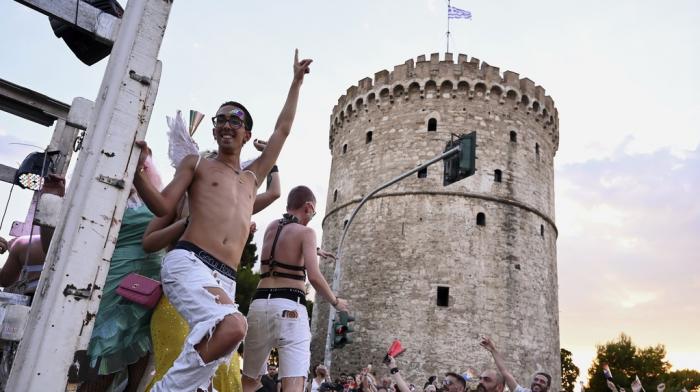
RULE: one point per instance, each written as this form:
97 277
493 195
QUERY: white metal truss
52 351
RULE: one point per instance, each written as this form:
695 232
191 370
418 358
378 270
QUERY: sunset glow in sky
623 75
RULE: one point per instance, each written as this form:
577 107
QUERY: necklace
228 164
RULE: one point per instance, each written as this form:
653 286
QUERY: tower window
513 136
368 137
443 296
345 148
497 175
432 125
542 230
481 219
537 148
335 195
423 173
345 223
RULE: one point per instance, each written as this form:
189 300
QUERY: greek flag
457 13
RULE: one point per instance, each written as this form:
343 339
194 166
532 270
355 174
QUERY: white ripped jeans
185 279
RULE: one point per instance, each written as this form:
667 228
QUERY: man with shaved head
491 381
541 381
277 315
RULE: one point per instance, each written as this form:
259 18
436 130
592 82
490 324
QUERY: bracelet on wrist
274 169
335 303
394 370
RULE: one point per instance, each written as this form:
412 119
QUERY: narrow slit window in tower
443 296
497 175
513 136
537 149
345 223
432 125
335 195
481 219
542 230
345 148
368 137
423 173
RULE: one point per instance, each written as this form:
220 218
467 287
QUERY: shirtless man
277 316
199 274
23 265
22 269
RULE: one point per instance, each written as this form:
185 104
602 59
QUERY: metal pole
337 271
448 27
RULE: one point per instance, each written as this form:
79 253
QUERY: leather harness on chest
273 264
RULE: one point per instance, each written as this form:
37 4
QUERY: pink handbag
140 289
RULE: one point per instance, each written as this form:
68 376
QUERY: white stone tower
439 266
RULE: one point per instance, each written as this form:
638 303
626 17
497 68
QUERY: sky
622 75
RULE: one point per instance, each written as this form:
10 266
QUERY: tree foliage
247 279
569 371
685 378
627 361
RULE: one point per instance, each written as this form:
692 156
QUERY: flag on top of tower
457 13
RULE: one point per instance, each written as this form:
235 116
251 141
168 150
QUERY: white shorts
185 279
280 323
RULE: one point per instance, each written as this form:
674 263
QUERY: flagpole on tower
448 27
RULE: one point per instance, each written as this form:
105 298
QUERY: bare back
221 205
289 250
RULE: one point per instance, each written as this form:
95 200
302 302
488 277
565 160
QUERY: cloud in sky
628 249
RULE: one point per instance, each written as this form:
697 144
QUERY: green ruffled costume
122 328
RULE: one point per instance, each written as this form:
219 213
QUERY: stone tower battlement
434 265
435 78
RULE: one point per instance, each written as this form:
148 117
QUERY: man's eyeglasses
221 120
313 210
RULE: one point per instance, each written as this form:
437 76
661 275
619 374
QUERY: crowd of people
489 380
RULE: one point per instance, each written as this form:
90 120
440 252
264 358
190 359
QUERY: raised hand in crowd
488 344
401 384
324 254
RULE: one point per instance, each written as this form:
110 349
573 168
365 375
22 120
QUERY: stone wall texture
419 235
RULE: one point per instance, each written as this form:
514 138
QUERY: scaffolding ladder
51 355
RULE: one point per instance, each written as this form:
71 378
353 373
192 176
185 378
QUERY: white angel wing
180 143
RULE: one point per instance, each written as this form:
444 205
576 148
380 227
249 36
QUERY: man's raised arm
500 362
316 278
262 165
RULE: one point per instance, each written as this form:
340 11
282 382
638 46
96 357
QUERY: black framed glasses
221 120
